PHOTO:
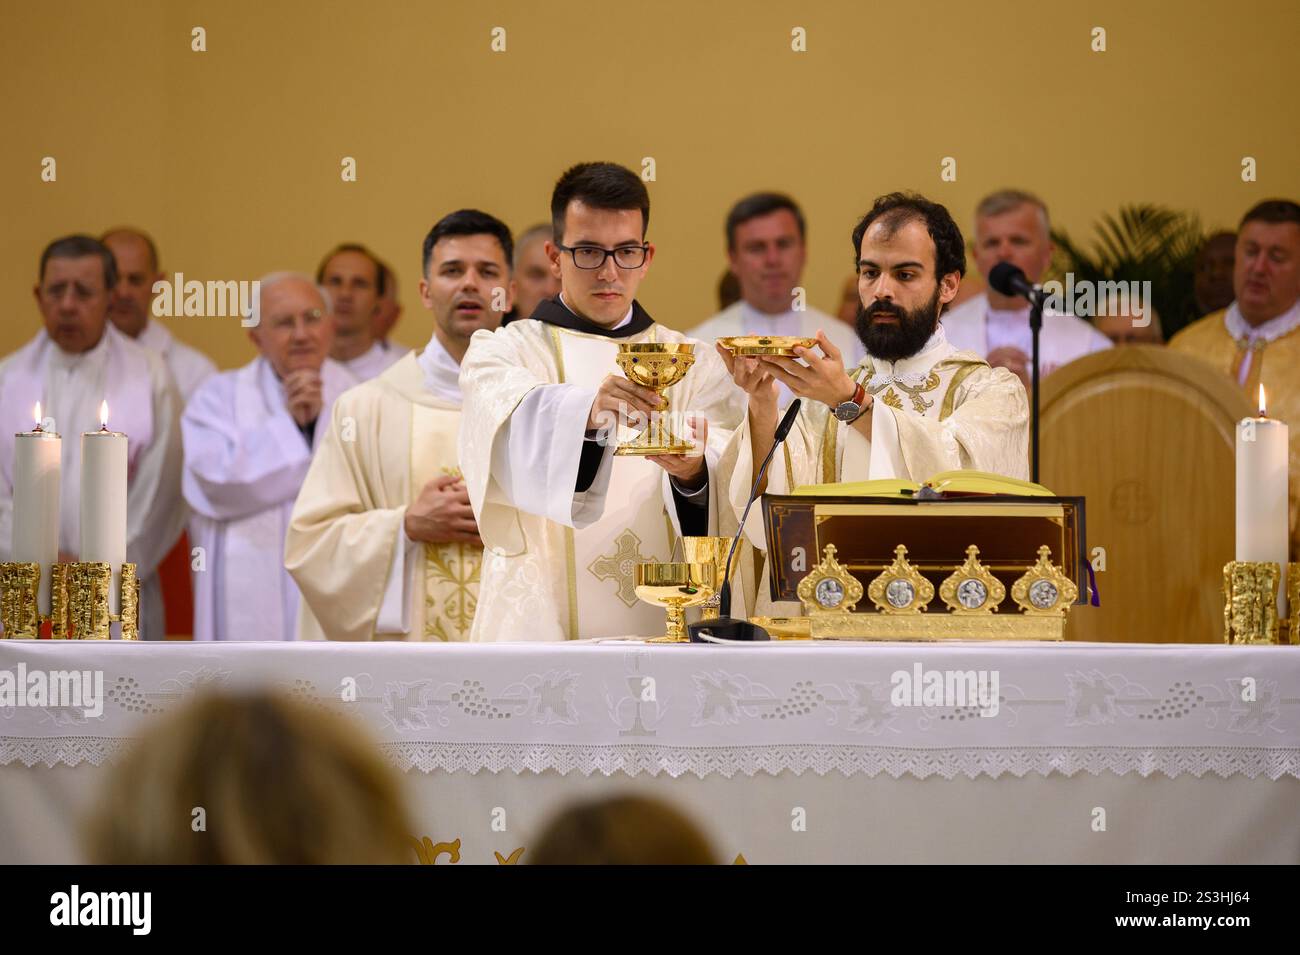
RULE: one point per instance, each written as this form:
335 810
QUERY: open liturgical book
947 483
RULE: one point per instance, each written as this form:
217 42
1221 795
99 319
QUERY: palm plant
1140 243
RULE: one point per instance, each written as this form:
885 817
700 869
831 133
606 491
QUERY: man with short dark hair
136 257
355 280
77 361
766 252
385 486
914 408
389 309
1256 339
535 274
564 520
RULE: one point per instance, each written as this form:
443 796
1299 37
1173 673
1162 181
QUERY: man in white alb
766 252
249 435
564 520
355 280
1012 226
137 271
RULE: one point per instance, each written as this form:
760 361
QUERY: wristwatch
849 411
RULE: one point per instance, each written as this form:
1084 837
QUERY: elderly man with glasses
248 437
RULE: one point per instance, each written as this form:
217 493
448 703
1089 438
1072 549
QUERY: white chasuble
561 564
938 410
361 578
245 458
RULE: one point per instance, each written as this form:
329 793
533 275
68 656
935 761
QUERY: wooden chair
1147 436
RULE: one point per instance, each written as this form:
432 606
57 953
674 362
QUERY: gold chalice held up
656 365
674 587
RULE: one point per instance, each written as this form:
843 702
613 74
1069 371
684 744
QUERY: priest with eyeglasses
565 521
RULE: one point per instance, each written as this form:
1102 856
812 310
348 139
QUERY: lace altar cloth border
610 707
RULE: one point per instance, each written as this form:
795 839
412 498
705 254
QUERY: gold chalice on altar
657 365
710 550
674 587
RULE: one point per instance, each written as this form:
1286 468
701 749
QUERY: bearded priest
914 407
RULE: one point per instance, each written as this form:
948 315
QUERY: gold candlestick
79 604
19 584
1250 602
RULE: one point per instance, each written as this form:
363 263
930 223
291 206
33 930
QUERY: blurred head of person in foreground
277 781
625 830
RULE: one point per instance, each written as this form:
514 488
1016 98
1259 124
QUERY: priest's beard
892 342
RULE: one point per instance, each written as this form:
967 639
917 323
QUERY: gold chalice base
674 587
645 450
656 365
753 346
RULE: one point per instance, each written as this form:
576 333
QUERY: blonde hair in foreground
279 781
624 830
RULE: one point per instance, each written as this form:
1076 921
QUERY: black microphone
1010 280
725 628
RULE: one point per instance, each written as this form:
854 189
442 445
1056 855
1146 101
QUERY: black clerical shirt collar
554 311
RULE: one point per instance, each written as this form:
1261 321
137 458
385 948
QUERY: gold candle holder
19 586
1250 602
1292 624
78 601
19 583
88 584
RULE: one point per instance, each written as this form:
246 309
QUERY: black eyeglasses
593 256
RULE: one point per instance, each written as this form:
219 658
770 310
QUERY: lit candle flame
1263 405
36 416
103 415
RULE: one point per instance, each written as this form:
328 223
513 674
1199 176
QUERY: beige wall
231 157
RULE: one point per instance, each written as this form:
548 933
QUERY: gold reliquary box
915 565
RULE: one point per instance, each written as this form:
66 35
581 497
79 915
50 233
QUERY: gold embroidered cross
621 565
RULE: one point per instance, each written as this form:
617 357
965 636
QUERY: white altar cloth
1200 736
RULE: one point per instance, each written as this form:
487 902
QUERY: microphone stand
1035 327
726 628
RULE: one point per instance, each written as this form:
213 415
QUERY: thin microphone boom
1010 280
782 431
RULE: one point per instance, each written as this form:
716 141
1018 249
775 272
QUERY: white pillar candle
37 472
1263 522
103 502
